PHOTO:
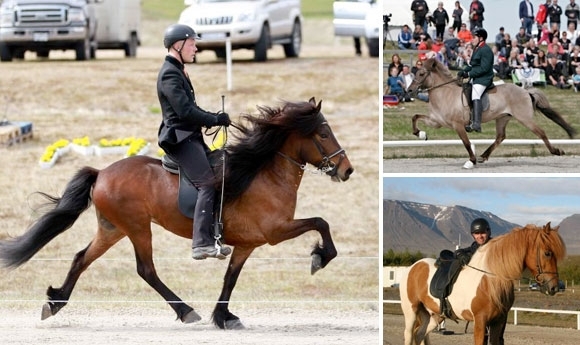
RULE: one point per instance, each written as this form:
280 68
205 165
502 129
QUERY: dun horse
483 292
448 108
263 171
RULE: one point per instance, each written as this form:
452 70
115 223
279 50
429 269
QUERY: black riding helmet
178 32
481 33
480 225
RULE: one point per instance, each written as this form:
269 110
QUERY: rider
481 233
180 134
480 70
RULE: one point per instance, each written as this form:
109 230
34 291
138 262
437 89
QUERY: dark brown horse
263 171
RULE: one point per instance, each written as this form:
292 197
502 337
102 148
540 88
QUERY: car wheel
292 49
83 50
373 45
131 46
261 47
5 52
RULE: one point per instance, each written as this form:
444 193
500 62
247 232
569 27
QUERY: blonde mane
506 253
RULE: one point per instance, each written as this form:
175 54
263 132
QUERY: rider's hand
462 74
223 119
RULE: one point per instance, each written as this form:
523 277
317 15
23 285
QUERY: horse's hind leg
141 239
542 135
58 297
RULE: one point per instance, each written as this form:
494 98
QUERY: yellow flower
84 141
61 143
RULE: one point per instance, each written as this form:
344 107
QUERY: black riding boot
475 122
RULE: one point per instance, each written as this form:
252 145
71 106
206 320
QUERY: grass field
397 126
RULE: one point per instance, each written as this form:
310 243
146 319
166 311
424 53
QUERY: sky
517 199
497 13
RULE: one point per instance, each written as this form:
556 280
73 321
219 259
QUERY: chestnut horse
484 290
448 108
263 171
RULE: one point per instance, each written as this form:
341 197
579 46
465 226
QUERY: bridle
428 73
540 271
326 166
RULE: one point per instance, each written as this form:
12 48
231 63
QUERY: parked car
359 18
534 287
255 25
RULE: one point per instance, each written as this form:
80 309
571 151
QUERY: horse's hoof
316 264
468 165
191 317
46 312
422 135
234 324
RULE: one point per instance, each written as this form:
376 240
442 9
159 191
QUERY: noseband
326 166
540 271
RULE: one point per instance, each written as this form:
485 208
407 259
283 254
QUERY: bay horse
263 172
448 108
484 290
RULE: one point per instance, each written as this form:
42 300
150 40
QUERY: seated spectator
541 60
418 65
405 38
531 52
417 35
555 73
574 60
514 61
437 45
522 37
555 48
576 79
500 65
449 34
572 33
396 62
464 35
425 45
499 38
464 55
554 32
544 35
395 84
506 45
408 77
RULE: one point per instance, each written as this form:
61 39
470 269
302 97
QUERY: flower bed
127 147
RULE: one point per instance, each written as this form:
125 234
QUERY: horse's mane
261 137
437 67
505 254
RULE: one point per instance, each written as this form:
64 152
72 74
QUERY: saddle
448 268
484 98
187 195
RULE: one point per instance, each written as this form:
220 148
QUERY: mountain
570 232
430 228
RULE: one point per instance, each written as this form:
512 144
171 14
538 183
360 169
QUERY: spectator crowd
552 50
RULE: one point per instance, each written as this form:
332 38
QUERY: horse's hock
14 132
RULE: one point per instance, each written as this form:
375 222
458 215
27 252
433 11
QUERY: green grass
397 126
168 10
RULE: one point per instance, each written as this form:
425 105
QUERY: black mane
261 137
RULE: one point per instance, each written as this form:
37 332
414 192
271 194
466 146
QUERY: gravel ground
393 326
548 164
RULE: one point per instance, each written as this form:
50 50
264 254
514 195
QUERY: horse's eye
548 253
324 135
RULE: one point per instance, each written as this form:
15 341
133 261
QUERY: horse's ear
547 227
429 64
319 106
312 101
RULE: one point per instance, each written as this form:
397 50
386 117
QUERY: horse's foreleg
222 317
416 131
500 125
58 297
322 253
467 144
479 331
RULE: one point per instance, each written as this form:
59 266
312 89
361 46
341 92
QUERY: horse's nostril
348 172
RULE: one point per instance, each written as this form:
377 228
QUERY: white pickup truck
359 18
80 25
255 25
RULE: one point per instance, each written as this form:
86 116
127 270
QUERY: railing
516 309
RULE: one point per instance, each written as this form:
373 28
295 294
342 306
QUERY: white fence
403 143
515 310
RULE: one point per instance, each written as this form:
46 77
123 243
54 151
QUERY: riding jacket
182 117
480 67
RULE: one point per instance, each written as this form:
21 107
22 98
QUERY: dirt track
156 326
548 164
514 335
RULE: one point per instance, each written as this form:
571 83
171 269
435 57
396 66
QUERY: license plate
213 36
40 36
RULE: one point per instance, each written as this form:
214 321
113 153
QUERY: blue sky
517 199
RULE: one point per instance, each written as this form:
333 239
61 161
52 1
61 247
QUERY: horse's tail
75 200
540 102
